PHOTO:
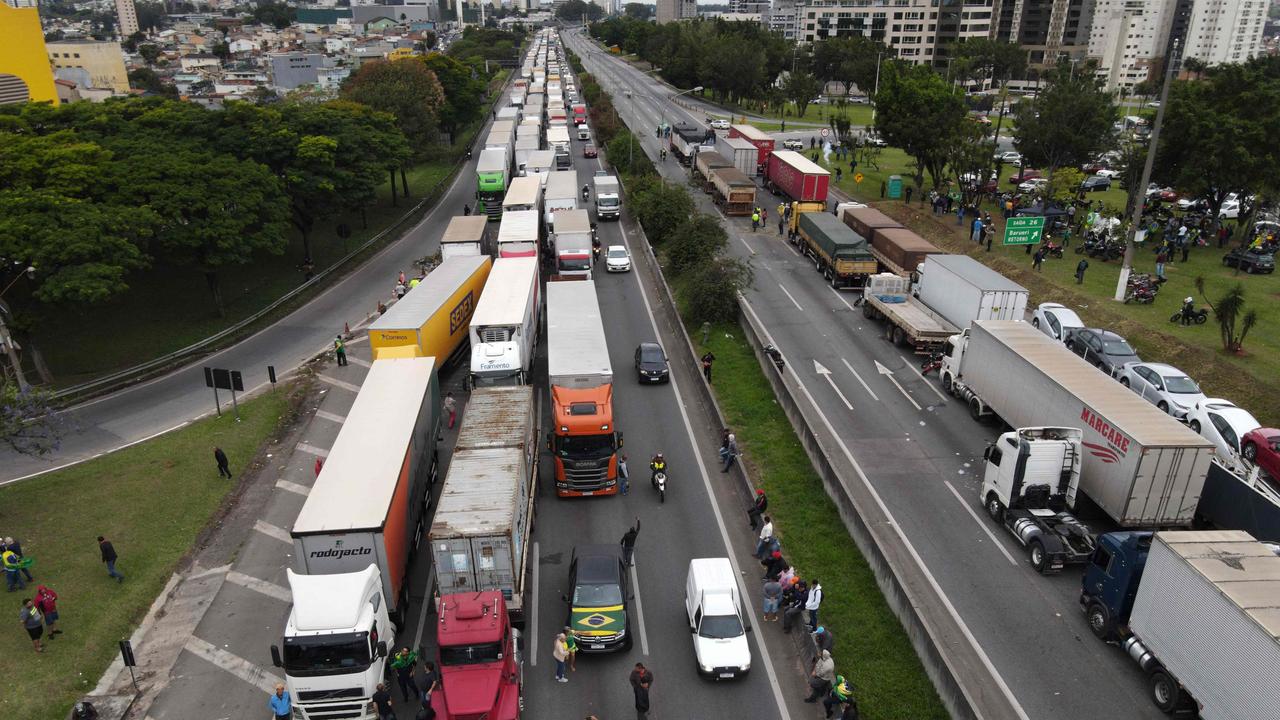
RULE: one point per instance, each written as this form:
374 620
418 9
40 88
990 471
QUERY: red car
1027 174
1262 448
589 151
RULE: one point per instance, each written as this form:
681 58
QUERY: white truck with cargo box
717 618
519 234
1141 466
577 352
540 165
504 327
560 193
608 197
524 193
572 245
741 152
525 148
480 533
963 290
466 235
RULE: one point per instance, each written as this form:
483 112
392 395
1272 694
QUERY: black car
651 363
600 593
1102 348
1096 182
1250 260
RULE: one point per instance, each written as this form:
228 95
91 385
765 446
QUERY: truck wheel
946 384
896 335
1165 692
868 312
995 508
975 409
1099 621
1039 557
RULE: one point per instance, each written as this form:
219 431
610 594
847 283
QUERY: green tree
985 58
710 293
1231 314
148 80
575 10
917 110
408 90
29 424
639 11
1068 122
661 208
970 159
694 244
1064 186
801 88
149 53
463 91
278 14
626 154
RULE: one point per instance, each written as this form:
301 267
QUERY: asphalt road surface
920 450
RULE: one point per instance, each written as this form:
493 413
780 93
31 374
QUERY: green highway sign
1025 230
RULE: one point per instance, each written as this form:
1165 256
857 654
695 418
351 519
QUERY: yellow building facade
24 60
101 60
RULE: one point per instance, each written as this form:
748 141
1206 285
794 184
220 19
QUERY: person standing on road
755 221
840 693
560 652
623 477
757 508
224 465
405 663
782 222
813 602
280 703
430 682
32 622
766 538
641 681
708 359
340 350
821 677
451 407
382 703
731 453
629 543
109 557
46 601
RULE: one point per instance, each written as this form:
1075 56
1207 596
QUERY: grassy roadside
152 501
872 649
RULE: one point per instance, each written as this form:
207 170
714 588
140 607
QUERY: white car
616 259
1107 173
1011 157
1164 386
1056 320
1223 424
1033 184
793 144
719 124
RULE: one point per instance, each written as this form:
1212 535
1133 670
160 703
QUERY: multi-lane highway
920 451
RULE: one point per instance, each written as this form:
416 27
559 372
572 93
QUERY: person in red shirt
46 601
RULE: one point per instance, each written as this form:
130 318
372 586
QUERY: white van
584 133
717 619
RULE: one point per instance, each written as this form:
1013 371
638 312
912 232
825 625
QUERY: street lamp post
876 91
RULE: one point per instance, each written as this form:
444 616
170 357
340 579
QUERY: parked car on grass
1103 349
1095 183
1222 423
1250 260
1056 320
1026 174
1164 386
1033 184
1012 157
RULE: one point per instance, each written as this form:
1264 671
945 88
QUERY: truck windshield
470 654
719 627
327 654
607 202
585 445
575 263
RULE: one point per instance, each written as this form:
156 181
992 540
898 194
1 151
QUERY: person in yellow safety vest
414 283
12 570
840 693
755 221
657 465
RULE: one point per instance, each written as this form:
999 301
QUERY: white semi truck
504 327
518 235
572 245
561 193
353 539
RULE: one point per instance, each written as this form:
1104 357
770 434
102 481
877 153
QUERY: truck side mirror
564 597
986 454
275 657
549 441
619 439
382 648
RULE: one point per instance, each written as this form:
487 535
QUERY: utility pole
877 90
1170 69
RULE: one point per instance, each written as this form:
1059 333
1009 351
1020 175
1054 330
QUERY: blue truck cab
1110 581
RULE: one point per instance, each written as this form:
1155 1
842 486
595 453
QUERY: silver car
1056 320
1164 386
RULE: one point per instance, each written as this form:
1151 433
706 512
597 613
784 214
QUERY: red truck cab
479 659
579 113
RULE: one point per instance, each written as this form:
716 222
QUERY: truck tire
995 508
1099 619
896 335
1039 557
868 312
946 384
975 409
1165 691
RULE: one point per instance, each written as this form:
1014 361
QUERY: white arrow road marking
889 374
793 300
824 372
864 382
925 379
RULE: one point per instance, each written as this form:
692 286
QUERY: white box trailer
479 535
1208 610
507 113
368 503
504 327
524 193
558 137
741 152
541 164
560 193
525 148
572 245
608 197
1141 467
519 233
963 290
577 352
466 235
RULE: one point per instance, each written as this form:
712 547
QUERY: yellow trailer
431 320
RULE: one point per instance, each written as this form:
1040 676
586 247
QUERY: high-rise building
917 30
672 10
781 18
90 64
1048 29
127 17
1225 31
25 74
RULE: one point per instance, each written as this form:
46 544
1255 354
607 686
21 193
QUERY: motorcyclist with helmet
1188 310
657 465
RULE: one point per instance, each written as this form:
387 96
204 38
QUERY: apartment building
24 61
1225 31
126 17
672 10
918 30
90 64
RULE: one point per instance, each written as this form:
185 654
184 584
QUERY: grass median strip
872 648
152 501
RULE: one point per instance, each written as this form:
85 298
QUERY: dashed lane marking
339 383
293 487
273 531
331 417
312 450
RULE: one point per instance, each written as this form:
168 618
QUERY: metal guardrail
128 376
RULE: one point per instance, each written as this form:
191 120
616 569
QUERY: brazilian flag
595 622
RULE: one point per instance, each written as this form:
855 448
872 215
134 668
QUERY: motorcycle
1199 316
1053 249
660 484
1141 294
933 363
